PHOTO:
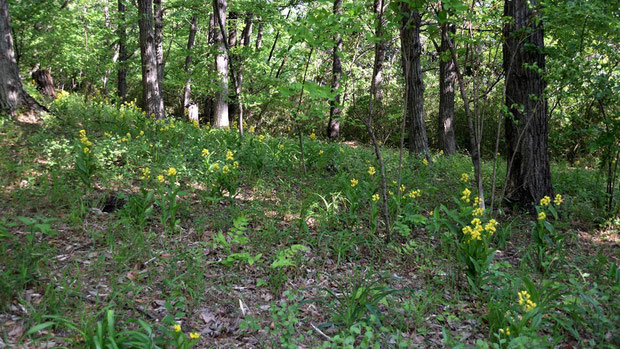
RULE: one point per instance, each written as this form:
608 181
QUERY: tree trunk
44 82
259 36
528 175
12 93
121 82
333 127
159 43
233 103
188 62
380 49
447 78
411 48
221 66
153 103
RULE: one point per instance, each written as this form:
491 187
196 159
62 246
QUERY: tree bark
259 36
411 48
529 174
333 126
221 66
121 82
188 62
159 43
45 83
380 49
447 79
12 93
153 103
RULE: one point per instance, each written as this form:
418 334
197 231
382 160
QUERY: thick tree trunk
447 79
380 49
12 93
153 103
233 103
188 62
411 48
221 66
121 82
45 83
333 126
529 175
158 16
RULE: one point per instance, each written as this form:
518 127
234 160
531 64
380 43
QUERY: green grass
217 251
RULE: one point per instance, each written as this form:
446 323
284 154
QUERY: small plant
85 164
140 207
547 241
168 200
235 241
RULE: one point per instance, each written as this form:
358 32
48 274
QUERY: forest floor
238 245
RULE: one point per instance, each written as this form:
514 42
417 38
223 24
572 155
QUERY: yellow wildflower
375 197
161 178
475 221
251 129
545 201
432 213
505 331
216 166
321 152
371 171
425 162
466 193
225 169
172 172
558 200
141 133
402 188
177 328
478 211
312 136
86 150
195 123
441 152
491 226
229 155
341 150
146 173
236 164
261 137
194 335
525 301
205 152
542 216
354 182
281 146
464 178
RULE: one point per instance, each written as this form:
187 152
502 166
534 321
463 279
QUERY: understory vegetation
121 231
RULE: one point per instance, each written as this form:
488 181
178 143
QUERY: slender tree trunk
221 66
380 49
333 126
158 16
153 103
447 79
233 103
187 68
12 93
411 48
259 36
529 174
121 82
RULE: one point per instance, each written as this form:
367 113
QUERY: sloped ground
261 255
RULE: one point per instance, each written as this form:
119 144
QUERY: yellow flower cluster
475 232
194 335
85 142
371 170
476 201
225 169
425 162
341 149
491 226
281 146
415 193
525 301
251 129
172 172
321 152
464 178
558 200
545 201
542 216
354 182
161 178
505 331
466 193
195 123
177 328
205 152
229 155
312 136
375 197
261 138
478 212
146 173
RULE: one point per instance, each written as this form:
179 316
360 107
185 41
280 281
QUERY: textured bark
45 83
121 80
447 79
188 62
158 16
221 65
233 103
380 49
259 36
12 93
333 126
529 175
153 103
411 48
